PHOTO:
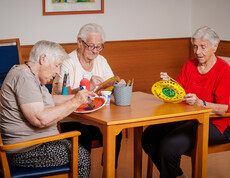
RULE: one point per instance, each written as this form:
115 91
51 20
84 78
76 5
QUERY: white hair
206 33
52 50
91 27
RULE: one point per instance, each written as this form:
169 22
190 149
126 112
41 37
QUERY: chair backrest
3 159
10 54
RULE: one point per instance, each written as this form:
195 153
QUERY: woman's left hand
192 99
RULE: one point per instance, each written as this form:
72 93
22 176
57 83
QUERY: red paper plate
99 103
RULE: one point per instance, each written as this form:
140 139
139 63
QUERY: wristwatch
204 103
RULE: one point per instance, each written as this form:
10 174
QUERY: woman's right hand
82 97
164 76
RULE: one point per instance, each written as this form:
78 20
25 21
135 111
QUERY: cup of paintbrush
123 93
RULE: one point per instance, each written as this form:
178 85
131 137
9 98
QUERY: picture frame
66 7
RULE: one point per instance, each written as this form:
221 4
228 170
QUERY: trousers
166 143
88 134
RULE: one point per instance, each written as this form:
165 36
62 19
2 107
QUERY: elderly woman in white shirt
86 60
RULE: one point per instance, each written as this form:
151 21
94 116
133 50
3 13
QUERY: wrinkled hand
164 76
95 81
122 81
82 96
192 99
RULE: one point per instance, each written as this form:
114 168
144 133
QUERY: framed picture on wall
64 7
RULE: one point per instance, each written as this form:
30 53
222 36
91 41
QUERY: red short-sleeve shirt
214 86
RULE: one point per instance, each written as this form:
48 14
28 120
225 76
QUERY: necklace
30 69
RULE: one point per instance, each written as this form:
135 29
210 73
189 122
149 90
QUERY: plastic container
122 94
85 83
107 95
66 90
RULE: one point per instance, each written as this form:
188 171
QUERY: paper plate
99 103
168 91
108 84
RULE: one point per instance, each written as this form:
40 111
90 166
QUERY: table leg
109 144
202 152
137 152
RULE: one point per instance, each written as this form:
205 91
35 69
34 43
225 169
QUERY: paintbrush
172 79
128 83
90 103
132 82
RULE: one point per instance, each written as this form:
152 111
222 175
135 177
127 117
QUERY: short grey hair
52 50
91 27
206 33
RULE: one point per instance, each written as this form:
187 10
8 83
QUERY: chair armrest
216 116
40 140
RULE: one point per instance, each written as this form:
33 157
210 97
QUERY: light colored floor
218 163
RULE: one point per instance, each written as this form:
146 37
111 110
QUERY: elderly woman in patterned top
29 111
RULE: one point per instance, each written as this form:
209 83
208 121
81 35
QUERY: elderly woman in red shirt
206 80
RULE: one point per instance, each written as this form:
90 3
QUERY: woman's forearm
59 99
219 109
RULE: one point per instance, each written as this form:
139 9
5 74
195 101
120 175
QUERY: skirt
50 154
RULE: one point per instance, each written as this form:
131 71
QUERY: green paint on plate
169 92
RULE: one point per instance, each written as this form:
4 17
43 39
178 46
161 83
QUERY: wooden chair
70 170
192 153
10 54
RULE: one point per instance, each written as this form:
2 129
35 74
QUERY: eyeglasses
92 47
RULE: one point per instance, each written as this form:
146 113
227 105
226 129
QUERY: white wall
213 13
122 20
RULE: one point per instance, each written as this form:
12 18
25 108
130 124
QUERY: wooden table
144 110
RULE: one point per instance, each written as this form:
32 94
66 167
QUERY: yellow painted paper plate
168 91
